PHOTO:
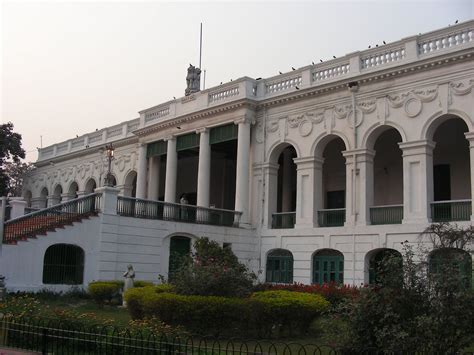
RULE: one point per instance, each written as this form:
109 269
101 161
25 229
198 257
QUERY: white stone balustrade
405 51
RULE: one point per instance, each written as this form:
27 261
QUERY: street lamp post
109 150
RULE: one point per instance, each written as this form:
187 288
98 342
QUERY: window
280 266
328 266
63 264
451 262
385 266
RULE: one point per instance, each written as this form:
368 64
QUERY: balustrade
450 211
335 217
283 220
390 214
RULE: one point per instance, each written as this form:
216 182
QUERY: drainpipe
353 88
262 218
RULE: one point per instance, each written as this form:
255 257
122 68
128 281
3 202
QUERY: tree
10 150
15 173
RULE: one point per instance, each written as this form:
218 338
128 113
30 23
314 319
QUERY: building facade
309 176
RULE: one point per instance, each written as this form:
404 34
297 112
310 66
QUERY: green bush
140 283
286 310
262 314
104 291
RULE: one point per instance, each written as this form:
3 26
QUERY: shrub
140 283
332 292
104 291
213 271
286 310
260 314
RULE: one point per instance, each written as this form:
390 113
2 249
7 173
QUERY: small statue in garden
129 275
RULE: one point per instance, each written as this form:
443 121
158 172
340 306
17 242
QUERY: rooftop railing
150 209
408 50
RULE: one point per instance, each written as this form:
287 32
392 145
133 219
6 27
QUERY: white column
171 170
359 185
18 207
141 173
204 169
108 202
417 180
308 174
286 182
242 178
3 205
470 138
153 177
270 176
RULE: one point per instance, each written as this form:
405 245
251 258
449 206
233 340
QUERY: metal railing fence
332 217
389 214
150 209
449 211
283 220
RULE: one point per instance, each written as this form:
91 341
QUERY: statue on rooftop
193 80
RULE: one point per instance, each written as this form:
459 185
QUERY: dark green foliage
10 149
213 271
264 314
417 310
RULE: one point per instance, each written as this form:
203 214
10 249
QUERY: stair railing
48 219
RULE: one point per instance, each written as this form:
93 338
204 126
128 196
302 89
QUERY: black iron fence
150 209
53 337
47 219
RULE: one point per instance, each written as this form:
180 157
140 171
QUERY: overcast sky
70 67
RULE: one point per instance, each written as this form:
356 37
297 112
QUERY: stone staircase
50 219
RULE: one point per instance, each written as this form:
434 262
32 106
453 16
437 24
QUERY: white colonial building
309 176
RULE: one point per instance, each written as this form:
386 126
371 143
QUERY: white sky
68 68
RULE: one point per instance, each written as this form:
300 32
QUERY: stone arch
327 265
57 194
374 262
63 264
27 196
432 124
279 266
90 186
72 190
277 148
373 132
322 141
130 184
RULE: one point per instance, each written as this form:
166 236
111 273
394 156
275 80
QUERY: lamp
109 152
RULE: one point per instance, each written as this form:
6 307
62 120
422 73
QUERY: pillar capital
248 118
309 163
202 130
470 137
169 138
424 146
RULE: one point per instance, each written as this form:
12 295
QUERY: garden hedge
263 314
105 291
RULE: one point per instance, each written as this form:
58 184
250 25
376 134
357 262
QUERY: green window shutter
280 267
156 149
223 133
328 268
187 141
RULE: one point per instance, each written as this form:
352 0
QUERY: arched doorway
333 191
328 266
58 191
27 195
387 204
180 248
283 182
453 263
451 171
385 266
72 191
130 184
43 203
63 264
279 267
90 186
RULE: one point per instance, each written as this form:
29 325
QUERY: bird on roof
384 42
220 83
280 72
376 45
370 47
321 60
312 63
457 21
174 97
297 88
334 56
293 68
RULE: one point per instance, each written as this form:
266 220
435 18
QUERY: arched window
180 247
328 266
449 262
63 264
280 266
